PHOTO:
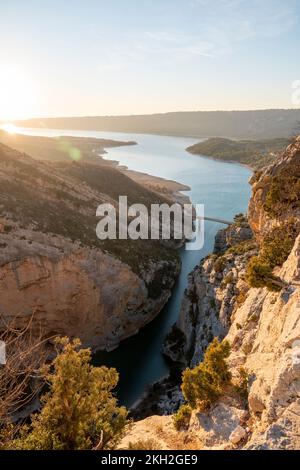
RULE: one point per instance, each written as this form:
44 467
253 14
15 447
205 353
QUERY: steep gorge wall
73 291
263 328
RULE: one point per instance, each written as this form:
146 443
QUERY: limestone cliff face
210 303
262 220
263 328
232 235
268 346
73 291
214 288
53 266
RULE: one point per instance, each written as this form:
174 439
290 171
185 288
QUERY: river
223 189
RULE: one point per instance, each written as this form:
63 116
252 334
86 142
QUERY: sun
17 93
9 128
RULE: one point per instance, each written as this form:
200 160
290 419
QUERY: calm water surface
222 187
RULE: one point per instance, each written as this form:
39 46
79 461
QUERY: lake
224 190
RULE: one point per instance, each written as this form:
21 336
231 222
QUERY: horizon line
147 114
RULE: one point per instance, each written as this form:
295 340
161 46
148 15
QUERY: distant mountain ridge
260 124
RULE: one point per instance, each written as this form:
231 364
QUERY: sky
118 57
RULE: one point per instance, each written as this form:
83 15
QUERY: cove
223 189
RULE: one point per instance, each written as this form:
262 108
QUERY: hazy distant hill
233 124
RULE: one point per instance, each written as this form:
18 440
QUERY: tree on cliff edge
204 384
79 411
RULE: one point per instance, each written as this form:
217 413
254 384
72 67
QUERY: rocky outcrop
232 235
265 339
262 220
161 398
214 287
206 308
222 428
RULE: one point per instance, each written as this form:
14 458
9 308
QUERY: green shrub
147 444
228 279
259 274
80 410
284 191
204 384
278 244
240 219
182 418
243 247
241 386
220 264
275 249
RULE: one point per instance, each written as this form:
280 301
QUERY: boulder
237 435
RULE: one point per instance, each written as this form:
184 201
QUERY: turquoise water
223 189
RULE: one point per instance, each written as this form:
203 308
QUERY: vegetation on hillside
182 418
243 247
209 381
260 274
111 182
204 384
79 411
255 154
144 444
281 202
283 195
274 251
62 198
59 149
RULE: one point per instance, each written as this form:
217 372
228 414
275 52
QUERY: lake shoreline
215 159
167 187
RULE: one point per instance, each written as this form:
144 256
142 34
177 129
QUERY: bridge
212 219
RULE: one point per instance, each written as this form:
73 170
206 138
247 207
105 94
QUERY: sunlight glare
9 128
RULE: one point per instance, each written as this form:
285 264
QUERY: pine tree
259 274
203 385
79 411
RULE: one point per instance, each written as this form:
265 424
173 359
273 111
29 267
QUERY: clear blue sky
98 57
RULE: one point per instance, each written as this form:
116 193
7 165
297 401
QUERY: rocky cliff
262 327
53 266
215 288
276 192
